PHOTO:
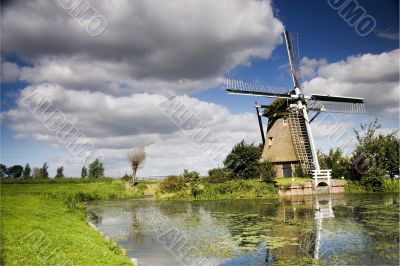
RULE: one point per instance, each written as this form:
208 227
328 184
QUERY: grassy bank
233 189
388 186
44 223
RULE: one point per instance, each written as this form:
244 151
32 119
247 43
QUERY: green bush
192 176
374 179
126 178
299 172
391 185
387 186
267 172
173 183
217 175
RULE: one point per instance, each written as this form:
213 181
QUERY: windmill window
284 121
270 141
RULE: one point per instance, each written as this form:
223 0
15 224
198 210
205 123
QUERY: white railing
151 178
322 176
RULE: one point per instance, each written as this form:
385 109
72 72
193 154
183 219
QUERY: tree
242 161
26 174
15 171
84 172
96 169
60 172
37 173
136 157
45 173
192 176
392 144
374 155
336 161
3 171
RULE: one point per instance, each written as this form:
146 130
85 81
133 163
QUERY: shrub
192 176
374 179
299 172
173 184
218 175
126 177
267 172
391 186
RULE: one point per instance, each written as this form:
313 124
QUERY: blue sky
322 34
51 55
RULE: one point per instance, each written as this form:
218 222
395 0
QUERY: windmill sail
234 86
293 53
301 141
336 104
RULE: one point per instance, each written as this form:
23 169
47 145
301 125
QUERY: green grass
288 181
45 223
233 189
388 186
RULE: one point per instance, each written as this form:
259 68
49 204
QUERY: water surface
332 229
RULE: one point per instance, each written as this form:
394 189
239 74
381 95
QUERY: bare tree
136 157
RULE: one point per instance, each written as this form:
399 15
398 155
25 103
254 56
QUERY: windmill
289 139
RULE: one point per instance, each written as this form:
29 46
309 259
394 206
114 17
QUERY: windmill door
287 169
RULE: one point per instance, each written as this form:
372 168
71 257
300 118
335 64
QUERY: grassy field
45 223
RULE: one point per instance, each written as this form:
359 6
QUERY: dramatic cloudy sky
110 74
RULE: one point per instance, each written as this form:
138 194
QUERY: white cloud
309 66
148 45
374 77
389 34
114 124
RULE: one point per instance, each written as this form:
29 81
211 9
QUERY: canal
336 229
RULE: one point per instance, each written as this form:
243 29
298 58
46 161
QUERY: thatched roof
278 105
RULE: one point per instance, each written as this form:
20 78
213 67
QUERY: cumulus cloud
309 66
114 124
374 77
147 45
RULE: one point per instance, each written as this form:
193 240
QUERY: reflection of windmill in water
289 138
323 210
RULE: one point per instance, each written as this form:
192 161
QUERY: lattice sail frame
292 44
336 107
235 86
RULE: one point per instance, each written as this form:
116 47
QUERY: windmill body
288 141
279 147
